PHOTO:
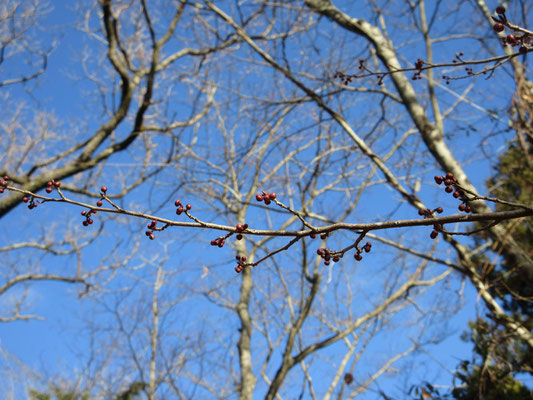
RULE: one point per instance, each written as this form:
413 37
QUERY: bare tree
321 189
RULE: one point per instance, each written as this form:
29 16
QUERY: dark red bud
498 27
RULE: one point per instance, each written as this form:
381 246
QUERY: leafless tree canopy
214 103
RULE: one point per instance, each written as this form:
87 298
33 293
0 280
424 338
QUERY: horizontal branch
35 277
497 216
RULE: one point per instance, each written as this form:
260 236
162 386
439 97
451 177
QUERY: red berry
214 242
433 234
152 236
57 184
221 243
449 189
511 39
6 178
99 203
312 236
90 221
49 189
83 212
258 197
25 199
461 207
1 190
177 203
336 258
456 194
358 256
188 207
267 201
243 258
367 249
244 227
239 237
368 244
449 175
49 183
272 196
500 10
468 209
326 262
498 27
148 233
104 189
85 223
3 183
421 212
438 179
439 210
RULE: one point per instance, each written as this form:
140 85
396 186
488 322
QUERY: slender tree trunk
153 334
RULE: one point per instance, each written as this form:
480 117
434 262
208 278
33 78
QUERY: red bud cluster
327 255
32 202
50 185
218 242
419 64
152 226
346 79
524 41
428 213
241 263
240 228
181 209
266 197
103 191
366 248
87 214
330 255
452 186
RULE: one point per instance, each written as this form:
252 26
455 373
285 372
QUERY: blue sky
54 345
